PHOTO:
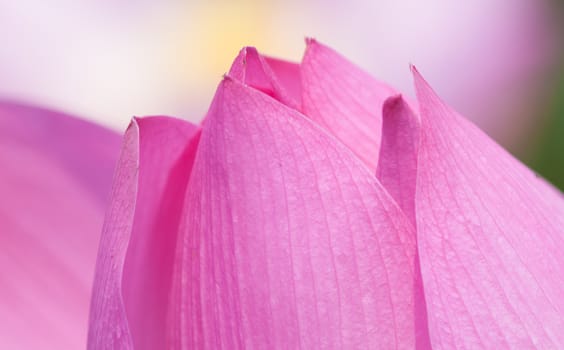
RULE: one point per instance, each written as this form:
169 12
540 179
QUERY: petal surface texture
490 236
55 180
135 262
397 171
343 99
287 239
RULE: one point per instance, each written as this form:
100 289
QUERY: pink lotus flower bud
316 207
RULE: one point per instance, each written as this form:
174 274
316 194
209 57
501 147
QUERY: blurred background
498 62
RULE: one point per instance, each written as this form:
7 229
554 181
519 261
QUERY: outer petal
133 274
344 100
490 237
55 176
287 239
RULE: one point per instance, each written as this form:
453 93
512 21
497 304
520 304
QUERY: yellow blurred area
212 33
216 33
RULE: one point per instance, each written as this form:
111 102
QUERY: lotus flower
316 207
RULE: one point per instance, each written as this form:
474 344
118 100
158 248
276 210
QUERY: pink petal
288 240
397 165
55 177
251 68
135 261
397 171
344 100
289 76
490 235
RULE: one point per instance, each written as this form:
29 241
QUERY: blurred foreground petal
134 268
55 178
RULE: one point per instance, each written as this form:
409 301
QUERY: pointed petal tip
239 66
133 123
423 89
418 79
392 102
312 44
392 105
227 79
251 50
246 50
247 65
310 41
